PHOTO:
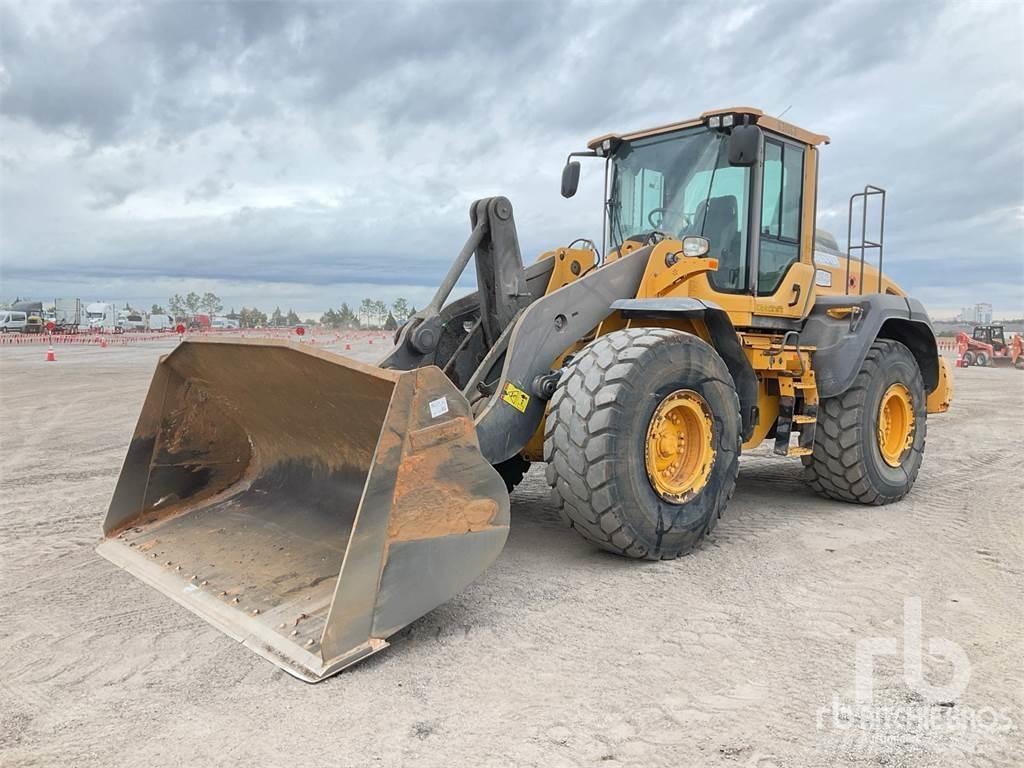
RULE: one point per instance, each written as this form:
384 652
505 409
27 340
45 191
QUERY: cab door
784 276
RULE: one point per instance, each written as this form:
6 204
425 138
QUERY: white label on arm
438 407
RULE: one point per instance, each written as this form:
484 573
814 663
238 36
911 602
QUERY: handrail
864 245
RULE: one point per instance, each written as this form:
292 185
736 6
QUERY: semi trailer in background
161 322
67 315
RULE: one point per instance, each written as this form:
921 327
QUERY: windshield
681 184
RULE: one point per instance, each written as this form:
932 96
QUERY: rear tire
848 463
599 431
968 358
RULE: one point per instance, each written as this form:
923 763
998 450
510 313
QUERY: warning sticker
515 397
438 407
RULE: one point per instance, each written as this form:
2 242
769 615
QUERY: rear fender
842 340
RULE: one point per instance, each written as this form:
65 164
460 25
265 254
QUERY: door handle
797 288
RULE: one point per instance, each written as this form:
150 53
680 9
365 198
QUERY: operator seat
721 228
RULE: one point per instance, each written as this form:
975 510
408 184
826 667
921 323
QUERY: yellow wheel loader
311 506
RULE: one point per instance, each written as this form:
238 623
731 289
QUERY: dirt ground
742 654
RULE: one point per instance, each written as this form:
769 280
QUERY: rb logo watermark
913 673
930 716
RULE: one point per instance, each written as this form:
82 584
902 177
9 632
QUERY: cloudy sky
308 154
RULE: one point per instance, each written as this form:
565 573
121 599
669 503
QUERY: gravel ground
559 655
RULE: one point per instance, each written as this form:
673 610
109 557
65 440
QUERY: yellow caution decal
515 397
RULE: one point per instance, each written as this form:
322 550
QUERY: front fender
548 327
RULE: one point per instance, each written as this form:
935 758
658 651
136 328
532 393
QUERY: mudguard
842 339
723 337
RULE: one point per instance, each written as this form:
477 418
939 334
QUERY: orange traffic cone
103 343
51 357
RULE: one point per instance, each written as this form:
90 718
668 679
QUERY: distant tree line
193 303
371 313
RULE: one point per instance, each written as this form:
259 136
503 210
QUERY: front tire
869 440
642 442
982 360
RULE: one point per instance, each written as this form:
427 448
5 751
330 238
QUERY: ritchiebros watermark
932 716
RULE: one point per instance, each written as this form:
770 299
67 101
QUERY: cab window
781 204
682 184
719 200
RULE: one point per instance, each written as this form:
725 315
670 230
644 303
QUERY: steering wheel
650 216
687 218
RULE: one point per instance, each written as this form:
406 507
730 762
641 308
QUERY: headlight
727 121
715 121
694 246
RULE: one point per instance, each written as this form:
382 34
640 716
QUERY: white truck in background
131 320
101 316
161 322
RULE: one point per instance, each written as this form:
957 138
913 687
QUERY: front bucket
307 505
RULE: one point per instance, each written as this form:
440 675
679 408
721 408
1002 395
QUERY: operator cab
744 181
991 334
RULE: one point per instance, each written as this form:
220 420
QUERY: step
801 418
796 450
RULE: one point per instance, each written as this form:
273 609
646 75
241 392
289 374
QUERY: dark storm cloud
341 143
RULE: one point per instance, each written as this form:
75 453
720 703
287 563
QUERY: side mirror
745 146
570 178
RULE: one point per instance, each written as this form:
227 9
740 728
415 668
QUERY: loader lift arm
508 332
437 333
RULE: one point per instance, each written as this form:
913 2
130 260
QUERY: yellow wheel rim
679 451
895 424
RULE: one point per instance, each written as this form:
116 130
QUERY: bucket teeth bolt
234 600
255 611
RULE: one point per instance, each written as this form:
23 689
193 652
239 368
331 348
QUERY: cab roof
767 122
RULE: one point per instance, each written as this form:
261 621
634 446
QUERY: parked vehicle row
71 316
